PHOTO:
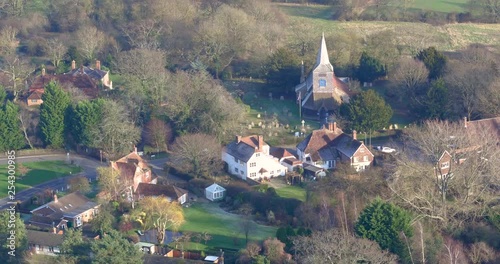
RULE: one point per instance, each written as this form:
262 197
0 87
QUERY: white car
385 149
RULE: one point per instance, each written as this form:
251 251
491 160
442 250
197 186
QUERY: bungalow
214 192
327 146
71 210
171 192
248 157
44 242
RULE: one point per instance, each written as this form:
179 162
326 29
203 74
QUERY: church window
322 83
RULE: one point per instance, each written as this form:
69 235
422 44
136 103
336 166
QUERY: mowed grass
441 5
410 35
291 191
39 172
224 228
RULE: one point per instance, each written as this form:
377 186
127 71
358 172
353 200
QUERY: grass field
222 226
441 5
291 191
39 172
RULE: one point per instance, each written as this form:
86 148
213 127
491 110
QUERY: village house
171 192
325 147
286 158
87 80
71 210
248 157
133 170
44 242
321 92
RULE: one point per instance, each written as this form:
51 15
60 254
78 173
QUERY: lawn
291 191
222 226
39 172
441 5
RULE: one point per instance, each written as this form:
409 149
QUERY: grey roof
44 238
240 150
93 73
346 145
80 209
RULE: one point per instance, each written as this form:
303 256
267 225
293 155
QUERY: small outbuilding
215 192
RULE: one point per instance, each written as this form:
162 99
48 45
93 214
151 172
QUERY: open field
222 226
412 36
39 172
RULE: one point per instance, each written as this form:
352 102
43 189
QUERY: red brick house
133 170
326 147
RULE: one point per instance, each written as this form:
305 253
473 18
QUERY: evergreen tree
369 68
86 115
367 111
113 248
387 225
12 137
437 101
53 115
3 95
283 71
20 240
434 60
74 247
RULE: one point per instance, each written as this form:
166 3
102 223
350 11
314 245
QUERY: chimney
354 135
73 64
302 73
261 142
54 230
465 121
81 69
334 126
55 198
43 71
135 149
238 139
98 64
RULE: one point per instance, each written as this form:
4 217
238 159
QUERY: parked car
385 149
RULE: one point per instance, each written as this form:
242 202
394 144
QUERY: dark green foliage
437 100
303 231
53 115
73 54
386 224
113 248
282 71
281 234
3 95
86 115
434 60
367 111
74 247
12 137
20 238
369 68
103 222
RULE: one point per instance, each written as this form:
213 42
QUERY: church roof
322 60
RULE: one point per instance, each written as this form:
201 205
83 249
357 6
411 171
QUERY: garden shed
214 192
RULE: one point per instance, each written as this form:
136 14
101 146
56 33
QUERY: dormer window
322 83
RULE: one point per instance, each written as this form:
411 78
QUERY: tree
199 154
12 138
283 71
104 251
79 184
369 68
160 214
333 246
247 226
116 133
56 50
89 41
103 222
157 134
86 115
386 224
74 247
18 70
487 10
110 185
367 111
436 103
274 250
434 60
53 115
409 74
12 232
29 123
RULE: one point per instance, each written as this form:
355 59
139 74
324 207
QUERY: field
222 226
39 172
441 5
413 36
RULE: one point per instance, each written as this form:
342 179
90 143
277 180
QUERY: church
321 93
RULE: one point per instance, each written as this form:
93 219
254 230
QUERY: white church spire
322 58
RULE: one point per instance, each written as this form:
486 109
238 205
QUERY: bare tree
410 73
79 183
29 121
247 226
145 33
198 153
480 252
8 40
158 134
56 49
18 70
89 41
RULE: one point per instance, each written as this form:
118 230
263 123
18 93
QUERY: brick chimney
334 126
261 142
55 198
98 64
43 71
73 64
54 230
135 149
354 135
465 121
238 139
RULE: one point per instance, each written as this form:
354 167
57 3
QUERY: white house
44 242
248 157
214 192
325 147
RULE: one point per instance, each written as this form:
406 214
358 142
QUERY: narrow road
88 166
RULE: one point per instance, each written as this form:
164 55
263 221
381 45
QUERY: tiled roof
44 238
83 82
281 153
84 70
318 139
35 95
69 205
489 125
170 191
346 144
245 148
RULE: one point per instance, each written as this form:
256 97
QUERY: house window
278 171
362 150
241 172
253 174
329 163
257 155
253 164
236 170
34 100
355 159
445 165
365 158
322 83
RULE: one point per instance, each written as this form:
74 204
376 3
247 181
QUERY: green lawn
39 172
222 226
441 5
291 191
